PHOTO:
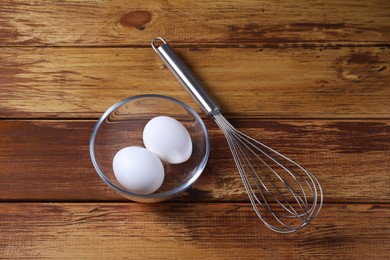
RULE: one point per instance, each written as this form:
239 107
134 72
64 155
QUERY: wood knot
362 58
360 66
136 19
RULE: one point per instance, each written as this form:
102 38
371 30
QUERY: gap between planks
325 45
204 118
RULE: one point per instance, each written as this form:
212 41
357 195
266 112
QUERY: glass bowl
122 125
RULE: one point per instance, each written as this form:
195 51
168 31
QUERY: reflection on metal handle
186 77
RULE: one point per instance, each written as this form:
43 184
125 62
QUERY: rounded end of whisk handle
185 76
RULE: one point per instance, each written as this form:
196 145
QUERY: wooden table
310 79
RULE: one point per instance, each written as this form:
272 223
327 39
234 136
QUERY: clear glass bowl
122 125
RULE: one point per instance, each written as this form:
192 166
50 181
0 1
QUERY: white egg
168 139
138 170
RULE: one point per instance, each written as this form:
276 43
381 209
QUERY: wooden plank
49 160
176 230
252 83
121 22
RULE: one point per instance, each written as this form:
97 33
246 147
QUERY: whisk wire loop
270 180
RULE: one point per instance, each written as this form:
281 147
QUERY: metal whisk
285 196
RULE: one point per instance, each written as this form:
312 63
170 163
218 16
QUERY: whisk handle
185 76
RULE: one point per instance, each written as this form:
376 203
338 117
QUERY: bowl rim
156 196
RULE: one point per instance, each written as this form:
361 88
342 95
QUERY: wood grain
120 22
310 79
248 83
179 230
49 160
